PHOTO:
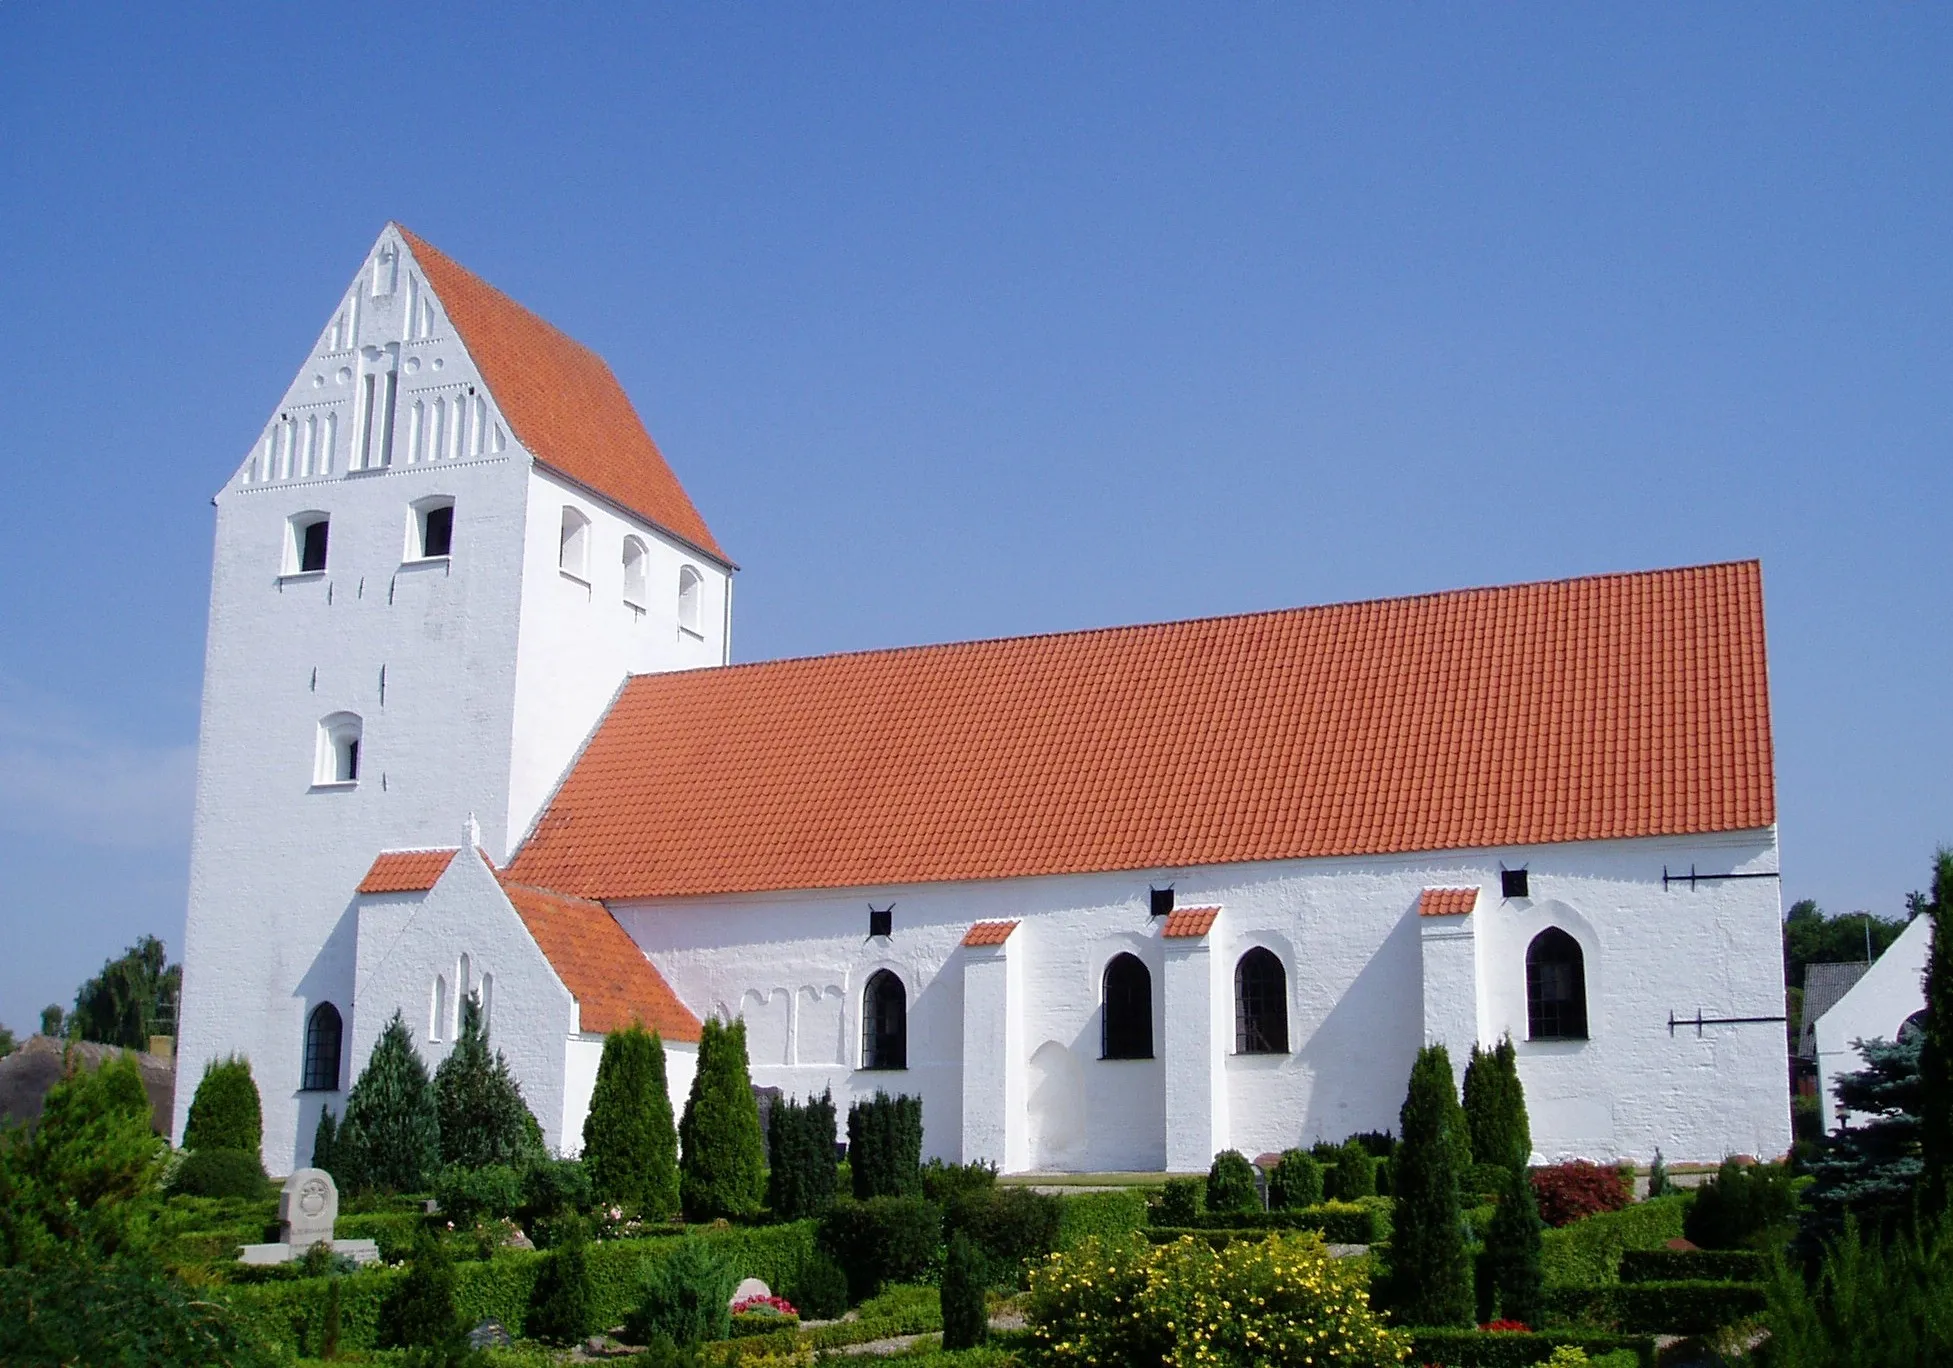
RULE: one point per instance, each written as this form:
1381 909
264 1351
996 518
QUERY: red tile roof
562 400
611 980
989 933
1613 706
1446 902
1185 922
406 871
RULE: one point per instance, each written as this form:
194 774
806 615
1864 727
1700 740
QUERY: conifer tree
801 1171
1518 1125
483 1117
1430 1269
225 1114
722 1165
1495 1107
420 1312
885 1147
325 1140
1936 1046
390 1137
966 1320
1514 1251
630 1145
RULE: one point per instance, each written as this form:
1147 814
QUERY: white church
1103 900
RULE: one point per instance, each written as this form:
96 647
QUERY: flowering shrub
1509 1327
775 1306
1278 1301
1568 1192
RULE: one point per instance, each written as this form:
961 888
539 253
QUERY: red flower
1507 1327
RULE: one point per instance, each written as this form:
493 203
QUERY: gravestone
307 1208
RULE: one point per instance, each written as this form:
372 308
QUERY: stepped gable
1612 706
561 400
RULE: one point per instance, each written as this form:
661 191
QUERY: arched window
337 758
323 1033
1556 987
690 587
1260 1004
573 550
884 1023
634 571
1128 1016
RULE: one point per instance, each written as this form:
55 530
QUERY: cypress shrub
966 1321
1738 1205
800 1178
561 1312
483 1119
1231 1184
225 1113
1659 1184
1296 1182
630 1146
1514 1253
1353 1174
685 1297
723 1168
1430 1270
1496 1125
885 1147
391 1136
325 1142
420 1312
218 1173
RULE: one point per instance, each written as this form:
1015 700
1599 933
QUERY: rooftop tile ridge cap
1111 629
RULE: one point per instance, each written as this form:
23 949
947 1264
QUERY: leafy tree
1430 1270
390 1138
630 1146
81 1184
801 1172
1231 1183
133 998
225 1114
966 1320
482 1115
1810 937
885 1146
54 1021
7 1042
1514 1252
722 1171
420 1311
1936 1044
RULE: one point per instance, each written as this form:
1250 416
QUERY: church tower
447 550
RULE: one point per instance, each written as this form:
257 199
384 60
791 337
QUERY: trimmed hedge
1666 1308
392 1231
1114 1215
292 1314
1511 1349
1589 1251
1361 1222
1693 1265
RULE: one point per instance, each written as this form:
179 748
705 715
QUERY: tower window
1556 987
690 585
305 548
1513 883
1127 1026
430 534
338 750
635 557
324 1032
573 549
1260 1004
884 1023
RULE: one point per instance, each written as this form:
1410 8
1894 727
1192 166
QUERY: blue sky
964 321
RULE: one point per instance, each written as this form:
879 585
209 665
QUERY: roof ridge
1111 629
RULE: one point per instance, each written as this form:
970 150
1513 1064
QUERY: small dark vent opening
1161 901
881 920
1512 883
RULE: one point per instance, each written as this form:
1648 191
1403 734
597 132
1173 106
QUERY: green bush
1693 1265
83 1313
1483 1180
800 1139
1353 1174
1589 1251
943 1181
1181 1202
81 1184
1668 1308
1740 1205
1513 1274
883 1240
1005 1226
1231 1185
966 1321
630 1144
390 1136
818 1288
885 1147
325 1144
1285 1297
219 1173
468 1195
1506 1349
1872 1302
722 1164
392 1231
563 1311
685 1298
483 1117
1112 1215
554 1194
1295 1182
225 1114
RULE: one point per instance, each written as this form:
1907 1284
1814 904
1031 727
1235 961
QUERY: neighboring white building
1886 1001
1103 900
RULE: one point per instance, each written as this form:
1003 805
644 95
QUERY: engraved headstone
308 1207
